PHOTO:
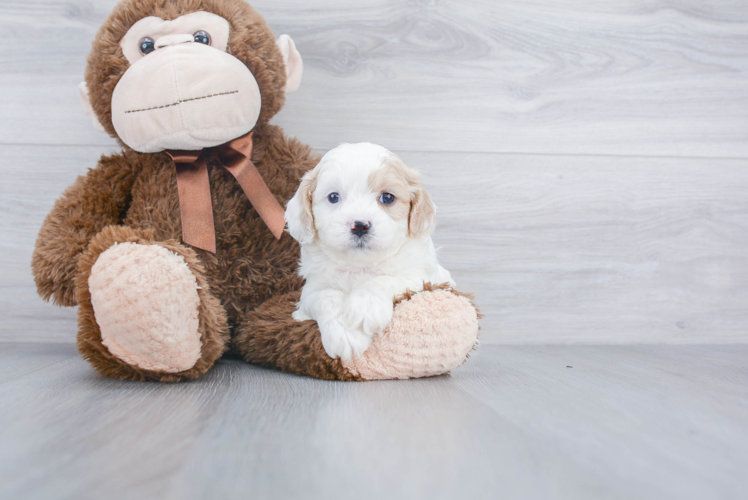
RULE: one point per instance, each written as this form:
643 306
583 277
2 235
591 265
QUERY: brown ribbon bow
193 184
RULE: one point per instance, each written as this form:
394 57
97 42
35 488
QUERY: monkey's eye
147 45
387 198
202 37
333 197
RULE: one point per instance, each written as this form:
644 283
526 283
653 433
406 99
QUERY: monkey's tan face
182 90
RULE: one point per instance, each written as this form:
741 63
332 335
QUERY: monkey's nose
167 40
360 228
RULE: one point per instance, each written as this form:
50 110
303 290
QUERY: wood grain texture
570 249
647 77
558 248
586 249
33 178
525 422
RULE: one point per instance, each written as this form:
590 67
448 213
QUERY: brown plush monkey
164 288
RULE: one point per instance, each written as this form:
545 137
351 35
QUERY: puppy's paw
342 342
335 339
359 342
368 311
300 315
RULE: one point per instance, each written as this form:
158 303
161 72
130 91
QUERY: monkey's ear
293 62
83 88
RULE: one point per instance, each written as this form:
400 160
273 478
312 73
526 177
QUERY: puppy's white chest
351 278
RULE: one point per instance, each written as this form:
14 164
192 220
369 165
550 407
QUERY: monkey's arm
94 201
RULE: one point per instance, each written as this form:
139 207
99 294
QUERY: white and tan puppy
364 223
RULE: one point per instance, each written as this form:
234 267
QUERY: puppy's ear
422 216
299 216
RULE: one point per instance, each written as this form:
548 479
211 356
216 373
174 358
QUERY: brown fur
250 285
133 197
213 327
249 267
99 199
271 337
250 41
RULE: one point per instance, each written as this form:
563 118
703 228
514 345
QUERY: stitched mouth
183 100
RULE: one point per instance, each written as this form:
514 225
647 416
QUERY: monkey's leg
145 310
269 336
431 333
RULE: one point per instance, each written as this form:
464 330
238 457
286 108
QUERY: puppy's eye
387 198
147 45
202 37
333 197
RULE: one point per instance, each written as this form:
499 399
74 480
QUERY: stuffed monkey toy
173 249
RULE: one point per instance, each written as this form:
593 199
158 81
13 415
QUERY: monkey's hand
94 201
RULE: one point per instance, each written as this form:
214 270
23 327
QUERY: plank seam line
21 375
423 151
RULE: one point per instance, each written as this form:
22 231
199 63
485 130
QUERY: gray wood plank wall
589 159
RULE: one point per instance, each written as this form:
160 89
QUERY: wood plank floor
545 422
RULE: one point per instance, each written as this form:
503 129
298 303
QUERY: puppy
363 221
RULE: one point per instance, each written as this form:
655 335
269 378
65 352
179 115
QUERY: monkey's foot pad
146 304
430 334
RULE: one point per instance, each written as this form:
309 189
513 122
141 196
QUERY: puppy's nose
360 228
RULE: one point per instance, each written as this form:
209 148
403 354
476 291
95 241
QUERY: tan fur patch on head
412 200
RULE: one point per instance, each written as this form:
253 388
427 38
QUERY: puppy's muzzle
360 228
